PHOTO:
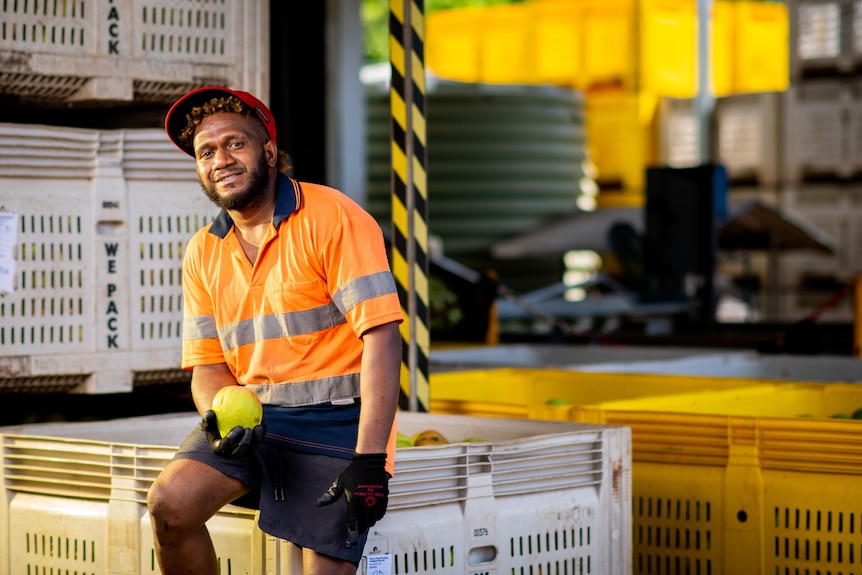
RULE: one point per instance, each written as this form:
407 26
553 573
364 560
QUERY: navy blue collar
288 198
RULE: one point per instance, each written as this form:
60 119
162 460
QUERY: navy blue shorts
284 485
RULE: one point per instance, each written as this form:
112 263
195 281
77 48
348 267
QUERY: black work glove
365 486
239 441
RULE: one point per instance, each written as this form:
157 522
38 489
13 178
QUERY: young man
289 293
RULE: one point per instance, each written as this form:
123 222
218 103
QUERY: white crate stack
788 147
103 215
538 496
821 151
836 208
679 133
103 218
131 50
823 36
821 122
823 107
745 139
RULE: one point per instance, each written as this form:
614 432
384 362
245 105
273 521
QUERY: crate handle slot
479 555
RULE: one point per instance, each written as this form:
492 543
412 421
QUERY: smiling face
234 160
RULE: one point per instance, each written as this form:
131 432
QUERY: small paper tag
8 238
379 564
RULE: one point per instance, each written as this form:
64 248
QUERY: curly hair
234 105
223 104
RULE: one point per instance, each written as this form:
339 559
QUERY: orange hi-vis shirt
321 279
289 326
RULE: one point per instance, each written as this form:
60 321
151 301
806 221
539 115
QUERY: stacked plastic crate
135 50
637 63
623 54
740 464
796 148
749 72
96 219
102 218
821 159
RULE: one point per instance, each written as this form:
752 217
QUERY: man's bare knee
187 493
168 508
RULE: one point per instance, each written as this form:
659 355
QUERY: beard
252 195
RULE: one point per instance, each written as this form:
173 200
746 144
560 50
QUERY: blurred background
650 172
619 178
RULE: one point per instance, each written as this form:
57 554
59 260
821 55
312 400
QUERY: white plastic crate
825 36
745 140
855 124
835 208
747 133
103 218
80 507
820 120
124 50
538 495
679 133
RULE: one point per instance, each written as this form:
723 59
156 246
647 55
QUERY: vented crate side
535 492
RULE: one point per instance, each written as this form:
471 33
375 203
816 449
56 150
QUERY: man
288 292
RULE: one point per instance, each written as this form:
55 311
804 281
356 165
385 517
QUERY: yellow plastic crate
749 48
667 54
560 30
578 43
490 44
608 32
729 475
789 400
553 393
452 44
723 65
505 45
762 60
754 480
637 45
621 134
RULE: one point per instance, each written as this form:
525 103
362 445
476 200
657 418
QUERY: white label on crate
379 565
8 238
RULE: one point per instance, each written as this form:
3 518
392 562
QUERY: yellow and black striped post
410 194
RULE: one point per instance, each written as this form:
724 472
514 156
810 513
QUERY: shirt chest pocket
303 311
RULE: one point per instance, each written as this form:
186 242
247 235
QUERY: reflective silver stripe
295 322
200 327
337 389
280 325
361 289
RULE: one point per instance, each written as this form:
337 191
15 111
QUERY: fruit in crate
474 440
235 405
429 437
403 440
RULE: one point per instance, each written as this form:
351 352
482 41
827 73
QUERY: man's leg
183 497
314 563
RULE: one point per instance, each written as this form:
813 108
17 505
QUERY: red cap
175 121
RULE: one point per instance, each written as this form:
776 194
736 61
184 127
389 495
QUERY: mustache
251 195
